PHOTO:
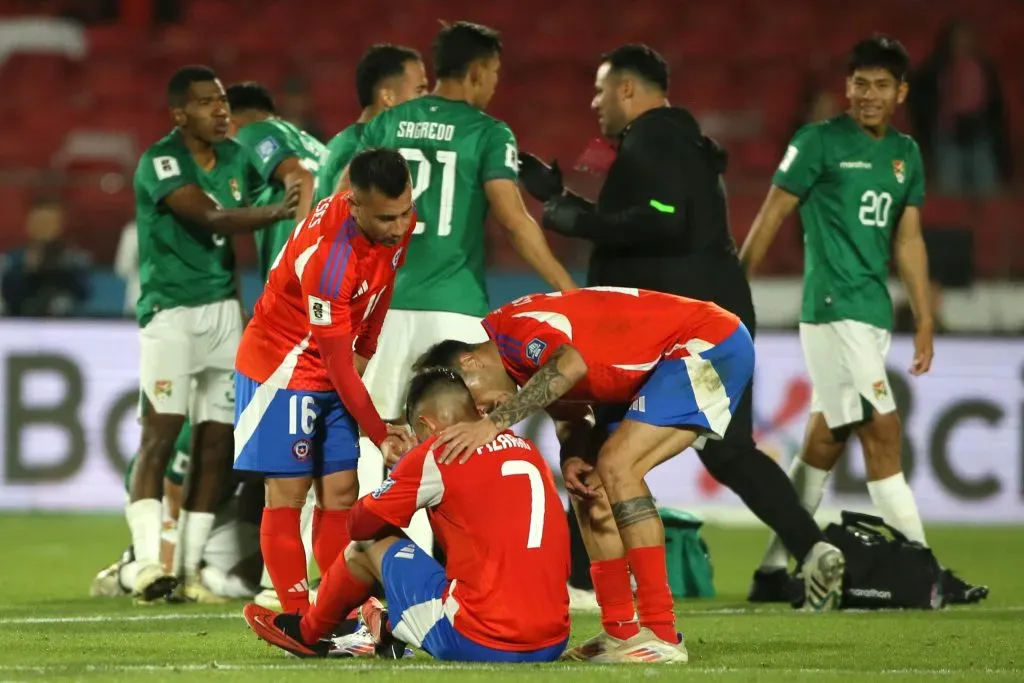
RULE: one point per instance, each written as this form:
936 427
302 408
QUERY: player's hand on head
461 441
923 352
574 474
542 181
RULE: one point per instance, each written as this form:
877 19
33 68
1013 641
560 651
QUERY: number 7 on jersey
537 497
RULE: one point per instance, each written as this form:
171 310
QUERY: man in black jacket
661 223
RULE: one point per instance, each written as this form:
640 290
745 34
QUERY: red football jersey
621 333
328 275
502 526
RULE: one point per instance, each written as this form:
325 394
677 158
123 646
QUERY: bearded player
190 189
500 521
301 401
464 165
855 179
282 155
386 76
682 364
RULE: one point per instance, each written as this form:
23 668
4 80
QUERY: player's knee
339 492
356 550
287 492
614 468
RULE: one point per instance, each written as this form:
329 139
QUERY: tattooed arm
552 380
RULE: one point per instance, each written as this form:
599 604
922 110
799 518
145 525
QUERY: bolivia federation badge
237 193
899 170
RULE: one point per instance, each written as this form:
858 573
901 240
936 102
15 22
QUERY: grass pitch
50 630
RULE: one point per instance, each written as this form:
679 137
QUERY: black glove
562 214
542 181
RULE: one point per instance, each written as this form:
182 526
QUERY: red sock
339 593
281 544
653 596
330 537
615 596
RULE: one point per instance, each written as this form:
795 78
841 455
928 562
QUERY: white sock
306 526
128 574
145 522
809 483
193 533
265 581
895 501
226 585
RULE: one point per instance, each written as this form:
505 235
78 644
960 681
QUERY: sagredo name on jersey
428 130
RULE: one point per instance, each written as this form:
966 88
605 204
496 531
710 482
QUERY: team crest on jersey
394 261
162 388
383 488
301 449
534 350
898 170
880 389
235 191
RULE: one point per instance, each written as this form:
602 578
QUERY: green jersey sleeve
915 176
266 147
803 162
162 171
500 155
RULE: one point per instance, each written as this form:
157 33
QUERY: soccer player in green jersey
282 155
465 165
189 200
386 76
856 181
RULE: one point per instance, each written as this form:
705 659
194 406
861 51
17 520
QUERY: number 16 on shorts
292 433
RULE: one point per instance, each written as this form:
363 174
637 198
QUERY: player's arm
524 234
912 263
499 170
195 206
390 508
562 370
800 168
658 214
330 323
291 173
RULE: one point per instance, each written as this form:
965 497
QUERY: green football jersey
177 468
340 150
452 149
180 263
268 143
853 190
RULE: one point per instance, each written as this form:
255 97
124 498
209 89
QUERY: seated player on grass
231 559
499 519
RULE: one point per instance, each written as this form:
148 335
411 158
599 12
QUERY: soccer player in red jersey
300 400
502 526
680 364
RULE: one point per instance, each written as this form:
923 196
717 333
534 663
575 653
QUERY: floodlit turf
51 630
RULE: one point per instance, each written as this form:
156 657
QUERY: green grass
51 630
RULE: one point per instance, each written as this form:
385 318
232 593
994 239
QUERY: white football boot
267 597
152 584
644 648
107 583
583 600
592 647
823 578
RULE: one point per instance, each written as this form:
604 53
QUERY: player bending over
683 364
190 193
856 180
231 559
502 596
301 402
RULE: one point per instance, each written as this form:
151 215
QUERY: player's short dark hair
458 45
381 169
430 383
381 61
641 61
182 80
879 52
251 95
443 354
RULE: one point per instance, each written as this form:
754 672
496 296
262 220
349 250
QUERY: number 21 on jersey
421 182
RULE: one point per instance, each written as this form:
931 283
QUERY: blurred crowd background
83 83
